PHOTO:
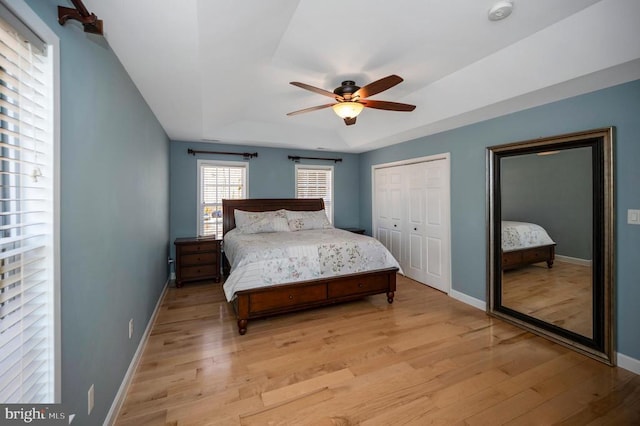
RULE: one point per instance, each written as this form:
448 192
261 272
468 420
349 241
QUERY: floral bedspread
519 235
260 260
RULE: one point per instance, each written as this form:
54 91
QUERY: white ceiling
220 70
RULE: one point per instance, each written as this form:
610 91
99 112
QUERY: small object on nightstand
197 259
354 230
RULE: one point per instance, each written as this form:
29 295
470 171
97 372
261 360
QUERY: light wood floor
425 359
562 295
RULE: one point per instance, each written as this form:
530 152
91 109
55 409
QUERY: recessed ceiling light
500 10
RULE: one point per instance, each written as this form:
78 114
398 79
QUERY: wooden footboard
267 301
517 258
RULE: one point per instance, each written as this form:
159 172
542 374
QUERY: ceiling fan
351 99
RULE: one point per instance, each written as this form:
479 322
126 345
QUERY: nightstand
354 230
197 259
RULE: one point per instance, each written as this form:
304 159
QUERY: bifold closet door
415 259
412 219
388 209
436 224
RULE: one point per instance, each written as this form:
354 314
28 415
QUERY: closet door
388 209
436 225
415 259
412 219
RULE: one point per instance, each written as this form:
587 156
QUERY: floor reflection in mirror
561 295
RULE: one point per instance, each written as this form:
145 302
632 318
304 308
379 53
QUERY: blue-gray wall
271 175
618 106
114 213
554 191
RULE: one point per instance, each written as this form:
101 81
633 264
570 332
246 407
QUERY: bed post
242 312
392 287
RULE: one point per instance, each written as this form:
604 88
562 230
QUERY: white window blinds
27 329
316 182
217 181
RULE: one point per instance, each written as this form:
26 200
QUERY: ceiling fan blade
378 86
315 108
316 90
389 106
350 121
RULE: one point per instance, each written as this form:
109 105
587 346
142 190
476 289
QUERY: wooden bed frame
277 299
517 258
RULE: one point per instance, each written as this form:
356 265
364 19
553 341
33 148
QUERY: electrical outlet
130 328
90 400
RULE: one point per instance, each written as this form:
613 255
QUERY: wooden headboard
265 205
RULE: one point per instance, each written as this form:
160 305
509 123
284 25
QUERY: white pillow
259 222
303 220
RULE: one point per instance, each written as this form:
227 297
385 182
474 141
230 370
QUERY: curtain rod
89 21
246 155
297 158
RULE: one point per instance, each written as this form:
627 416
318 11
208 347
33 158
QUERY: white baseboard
628 363
476 303
126 381
572 260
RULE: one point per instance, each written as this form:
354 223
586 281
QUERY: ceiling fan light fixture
348 109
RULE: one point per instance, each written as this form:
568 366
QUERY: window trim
24 12
331 169
216 163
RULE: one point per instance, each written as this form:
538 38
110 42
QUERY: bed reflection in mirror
546 233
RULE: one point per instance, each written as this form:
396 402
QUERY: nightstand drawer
202 271
201 247
199 258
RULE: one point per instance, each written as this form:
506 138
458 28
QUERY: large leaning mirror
550 238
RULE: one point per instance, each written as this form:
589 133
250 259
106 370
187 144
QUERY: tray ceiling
220 70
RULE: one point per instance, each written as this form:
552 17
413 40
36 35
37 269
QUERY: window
29 284
218 181
316 182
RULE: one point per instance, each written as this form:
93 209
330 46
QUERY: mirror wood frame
601 344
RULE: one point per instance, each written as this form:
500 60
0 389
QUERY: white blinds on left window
26 221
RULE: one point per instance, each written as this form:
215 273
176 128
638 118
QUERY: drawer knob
291 296
360 285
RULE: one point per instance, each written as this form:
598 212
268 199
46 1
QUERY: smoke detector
500 10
